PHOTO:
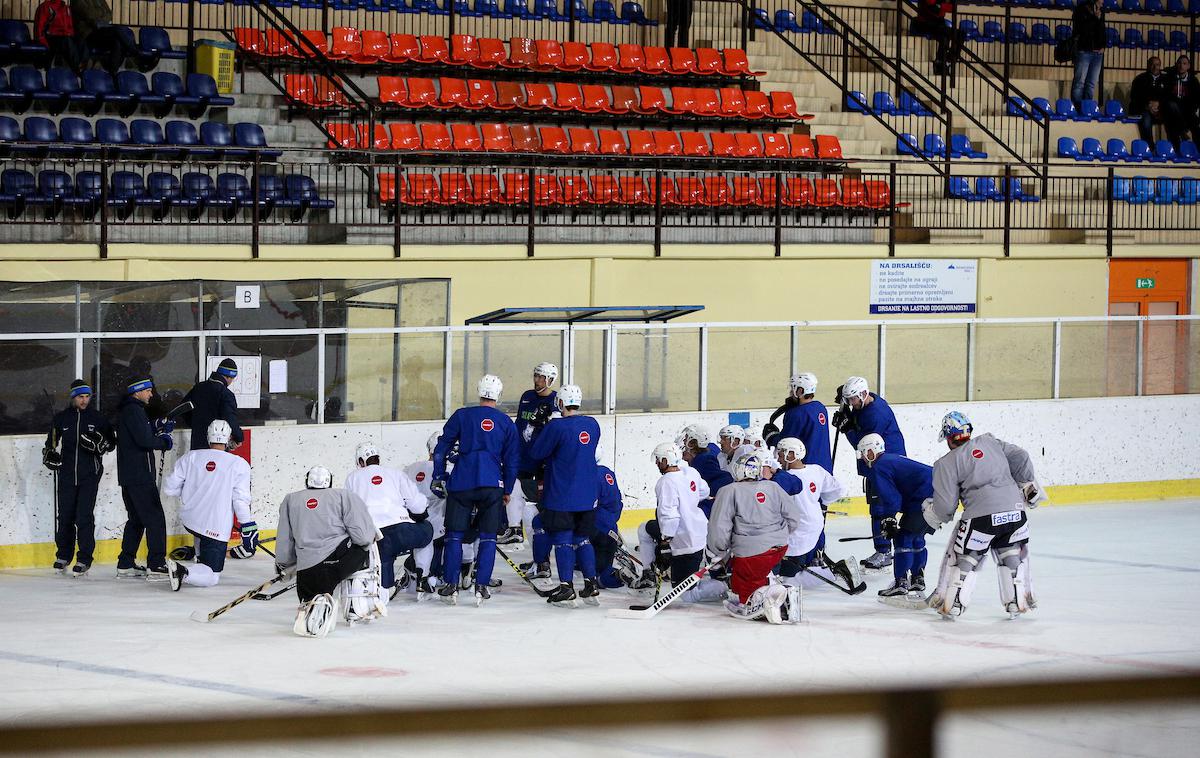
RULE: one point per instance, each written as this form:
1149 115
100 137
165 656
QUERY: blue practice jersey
901 483
709 468
532 406
568 446
809 423
608 500
487 450
877 418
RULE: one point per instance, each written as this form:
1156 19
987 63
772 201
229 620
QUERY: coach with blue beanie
137 441
214 400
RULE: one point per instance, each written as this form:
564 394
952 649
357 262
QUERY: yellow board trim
41 554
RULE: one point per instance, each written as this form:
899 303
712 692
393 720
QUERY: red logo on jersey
821 419
609 478
311 504
420 476
977 454
812 487
487 425
760 497
692 485
584 438
377 480
210 466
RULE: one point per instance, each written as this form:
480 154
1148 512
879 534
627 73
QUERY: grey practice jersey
983 473
751 518
312 523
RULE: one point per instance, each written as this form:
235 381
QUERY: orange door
1148 288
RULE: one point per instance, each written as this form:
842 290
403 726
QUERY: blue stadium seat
1115 151
163 192
1089 110
1189 191
1111 6
882 102
490 9
960 187
911 106
1139 150
1017 107
1156 39
125 190
25 82
1017 33
216 136
235 189
183 135
604 12
56 190
1065 4
1120 188
1166 190
76 135
1067 148
813 24
1177 7
269 194
15 43
1091 149
134 84
759 20
62 87
961 147
1112 37
785 21
461 8
1164 152
10 132
583 17
87 192
1017 192
970 30
547 9
1040 35
1177 41
40 130
857 102
204 89
170 86
1153 6
146 135
992 31
153 40
517 9
112 133
250 136
200 194
1132 39
1141 191
1062 32
1064 110
1188 153
986 189
17 189
906 144
303 195
98 83
1113 111
934 146
1131 6
1041 109
635 13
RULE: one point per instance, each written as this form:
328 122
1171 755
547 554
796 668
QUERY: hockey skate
916 582
564 596
899 588
590 594
482 593
448 594
80 570
426 588
513 535
536 570
176 572
183 553
60 567
158 574
879 560
133 572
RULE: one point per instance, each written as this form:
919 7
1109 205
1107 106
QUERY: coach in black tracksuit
137 471
83 435
214 400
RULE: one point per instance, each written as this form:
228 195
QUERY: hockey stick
650 611
276 593
204 618
523 576
860 588
621 547
854 539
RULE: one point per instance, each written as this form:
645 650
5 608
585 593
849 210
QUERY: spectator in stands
54 27
93 23
931 21
1182 101
1087 26
679 22
1146 95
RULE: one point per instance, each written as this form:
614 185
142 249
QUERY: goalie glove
1033 493
51 459
931 516
889 527
249 538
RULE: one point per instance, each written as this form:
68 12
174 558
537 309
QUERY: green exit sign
1145 284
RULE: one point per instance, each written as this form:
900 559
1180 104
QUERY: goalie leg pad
317 617
782 604
1012 573
363 595
754 607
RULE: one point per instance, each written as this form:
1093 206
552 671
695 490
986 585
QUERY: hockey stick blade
853 539
275 594
181 409
862 586
650 611
522 575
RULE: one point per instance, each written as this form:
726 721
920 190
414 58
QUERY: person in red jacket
931 21
54 27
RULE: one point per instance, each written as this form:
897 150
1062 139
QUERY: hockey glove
438 488
662 555
250 537
164 426
167 441
769 431
51 459
791 401
285 572
1033 494
889 527
838 400
931 516
527 433
418 517
94 443
843 420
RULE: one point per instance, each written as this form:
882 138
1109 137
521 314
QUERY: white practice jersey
421 473
213 486
679 515
389 493
694 476
819 487
727 461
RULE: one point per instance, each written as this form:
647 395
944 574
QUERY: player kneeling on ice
902 486
397 507
995 482
812 488
328 537
427 561
751 520
213 486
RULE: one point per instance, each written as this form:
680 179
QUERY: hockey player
812 488
902 486
806 419
608 512
730 440
479 487
398 509
427 561
327 536
751 520
213 487
755 441
862 412
701 455
84 436
213 399
536 407
995 482
137 441
568 448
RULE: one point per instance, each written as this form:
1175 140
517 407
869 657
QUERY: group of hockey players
740 518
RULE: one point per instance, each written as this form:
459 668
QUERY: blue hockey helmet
956 427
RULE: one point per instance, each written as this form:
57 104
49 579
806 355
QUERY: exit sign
1145 284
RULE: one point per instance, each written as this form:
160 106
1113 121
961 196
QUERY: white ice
1118 587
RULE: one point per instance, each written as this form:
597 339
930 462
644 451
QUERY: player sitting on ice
732 441
608 512
812 488
328 537
752 520
674 539
702 456
213 486
995 482
902 486
397 507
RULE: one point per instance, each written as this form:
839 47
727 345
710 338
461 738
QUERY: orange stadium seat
433 49
801 146
342 136
522 53
250 40
706 101
604 57
695 144
624 99
612 142
549 54
667 143
279 45
464 50
736 63
854 192
583 141
757 105
435 137
783 105
798 192
455 188
605 189
485 189
724 145
317 39
375 46
775 145
733 102
748 145
689 192
767 192
656 60
633 191
567 97
826 194
650 100
574 189
387 188
421 189
405 136
641 142
516 189
716 191
594 99
465 138
482 94
381 140
524 138
879 194
404 48
491 53
554 140
683 100
828 147
496 138
453 93
546 190
537 96
708 61
575 56
393 89
665 191
421 93
630 58
509 95
683 61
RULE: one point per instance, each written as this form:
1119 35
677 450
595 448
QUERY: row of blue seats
152 43
53 191
1065 110
1039 34
882 103
143 137
1139 151
600 12
1158 7
989 188
1164 190
785 21
24 87
934 146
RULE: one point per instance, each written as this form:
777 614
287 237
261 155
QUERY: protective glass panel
37 306
1085 368
1014 361
1165 345
384 377
111 364
280 305
420 302
658 370
509 355
835 353
292 396
588 371
748 367
152 307
926 364
34 377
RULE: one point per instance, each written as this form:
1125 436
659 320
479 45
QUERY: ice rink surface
1118 587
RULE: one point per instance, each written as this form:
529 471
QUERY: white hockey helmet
693 433
748 467
789 446
218 432
318 478
490 387
668 453
806 383
547 370
753 437
365 451
733 432
871 443
431 443
570 396
855 386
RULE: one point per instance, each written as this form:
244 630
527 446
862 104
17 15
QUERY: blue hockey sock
609 580
585 555
902 556
452 557
541 541
435 565
485 558
564 555
920 554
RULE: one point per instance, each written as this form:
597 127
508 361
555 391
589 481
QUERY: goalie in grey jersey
995 482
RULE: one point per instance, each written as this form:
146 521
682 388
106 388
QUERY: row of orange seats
513 189
370 47
525 138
